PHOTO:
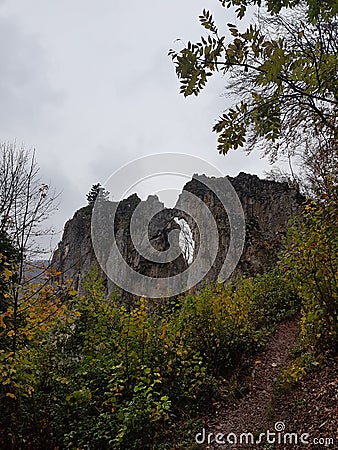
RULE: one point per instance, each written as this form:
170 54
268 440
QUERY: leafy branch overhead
326 8
282 70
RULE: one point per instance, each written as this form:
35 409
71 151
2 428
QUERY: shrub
101 376
310 263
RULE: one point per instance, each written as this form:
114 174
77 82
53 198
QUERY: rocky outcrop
267 206
75 255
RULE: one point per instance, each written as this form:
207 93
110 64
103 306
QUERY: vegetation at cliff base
95 373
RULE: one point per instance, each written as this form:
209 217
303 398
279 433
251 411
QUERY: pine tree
97 191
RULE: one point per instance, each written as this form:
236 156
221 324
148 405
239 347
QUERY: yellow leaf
9 394
2 323
11 333
7 274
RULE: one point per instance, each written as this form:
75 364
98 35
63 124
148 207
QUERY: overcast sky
89 85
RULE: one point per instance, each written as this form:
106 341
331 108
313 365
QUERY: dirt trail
248 414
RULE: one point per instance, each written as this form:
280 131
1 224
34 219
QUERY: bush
224 323
310 262
101 376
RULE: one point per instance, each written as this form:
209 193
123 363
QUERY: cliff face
267 206
75 255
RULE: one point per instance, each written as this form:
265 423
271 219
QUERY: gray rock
267 205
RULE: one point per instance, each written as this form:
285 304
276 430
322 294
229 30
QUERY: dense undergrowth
86 373
99 376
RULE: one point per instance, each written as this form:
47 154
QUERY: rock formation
267 206
75 255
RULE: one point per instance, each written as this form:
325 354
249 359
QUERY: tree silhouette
97 191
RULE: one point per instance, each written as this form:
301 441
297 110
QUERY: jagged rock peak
268 205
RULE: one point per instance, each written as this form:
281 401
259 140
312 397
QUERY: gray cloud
90 86
25 91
